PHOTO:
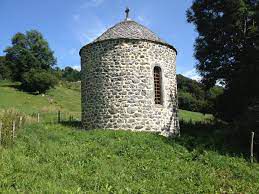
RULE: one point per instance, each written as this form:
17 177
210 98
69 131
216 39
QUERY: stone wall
118 86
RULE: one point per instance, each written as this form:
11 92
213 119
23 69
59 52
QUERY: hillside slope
61 98
58 159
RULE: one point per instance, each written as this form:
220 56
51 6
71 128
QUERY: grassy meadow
59 158
64 97
60 98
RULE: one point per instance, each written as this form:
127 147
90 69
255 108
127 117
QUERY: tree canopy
5 71
30 61
227 50
71 75
193 96
29 51
38 80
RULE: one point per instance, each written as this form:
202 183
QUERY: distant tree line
68 74
30 60
194 96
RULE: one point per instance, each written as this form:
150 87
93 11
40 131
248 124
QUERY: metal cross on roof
127 13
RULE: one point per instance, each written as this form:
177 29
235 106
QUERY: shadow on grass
215 136
17 86
11 85
75 124
200 136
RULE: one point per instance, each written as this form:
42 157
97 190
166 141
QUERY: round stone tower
129 81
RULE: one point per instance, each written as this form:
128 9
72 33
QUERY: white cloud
192 74
91 3
76 67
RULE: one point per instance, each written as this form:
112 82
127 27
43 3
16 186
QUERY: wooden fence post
13 129
38 117
252 147
1 125
59 116
20 121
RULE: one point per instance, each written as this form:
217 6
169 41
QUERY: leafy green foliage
68 74
5 72
71 75
38 80
193 95
227 50
29 54
29 51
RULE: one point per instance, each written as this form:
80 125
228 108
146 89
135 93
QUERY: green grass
194 116
66 99
55 158
60 98
58 158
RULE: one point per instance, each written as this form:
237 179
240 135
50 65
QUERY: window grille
157 85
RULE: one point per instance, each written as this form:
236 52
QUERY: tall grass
10 122
71 85
53 158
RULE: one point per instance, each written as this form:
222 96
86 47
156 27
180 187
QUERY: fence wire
56 117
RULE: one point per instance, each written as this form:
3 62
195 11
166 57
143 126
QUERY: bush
193 96
186 101
38 80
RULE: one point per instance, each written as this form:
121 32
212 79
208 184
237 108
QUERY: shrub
194 96
187 101
38 80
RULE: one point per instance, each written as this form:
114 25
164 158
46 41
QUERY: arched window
158 85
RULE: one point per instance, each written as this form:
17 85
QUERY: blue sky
69 24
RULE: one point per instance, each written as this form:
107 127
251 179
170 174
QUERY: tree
5 72
192 86
38 80
71 75
227 50
28 51
193 96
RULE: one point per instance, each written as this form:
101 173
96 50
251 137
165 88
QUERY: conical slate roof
129 29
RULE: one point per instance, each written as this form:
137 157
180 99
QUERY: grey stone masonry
118 86
121 90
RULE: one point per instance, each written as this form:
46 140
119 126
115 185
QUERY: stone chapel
129 81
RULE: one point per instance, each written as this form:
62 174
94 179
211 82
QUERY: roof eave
157 42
